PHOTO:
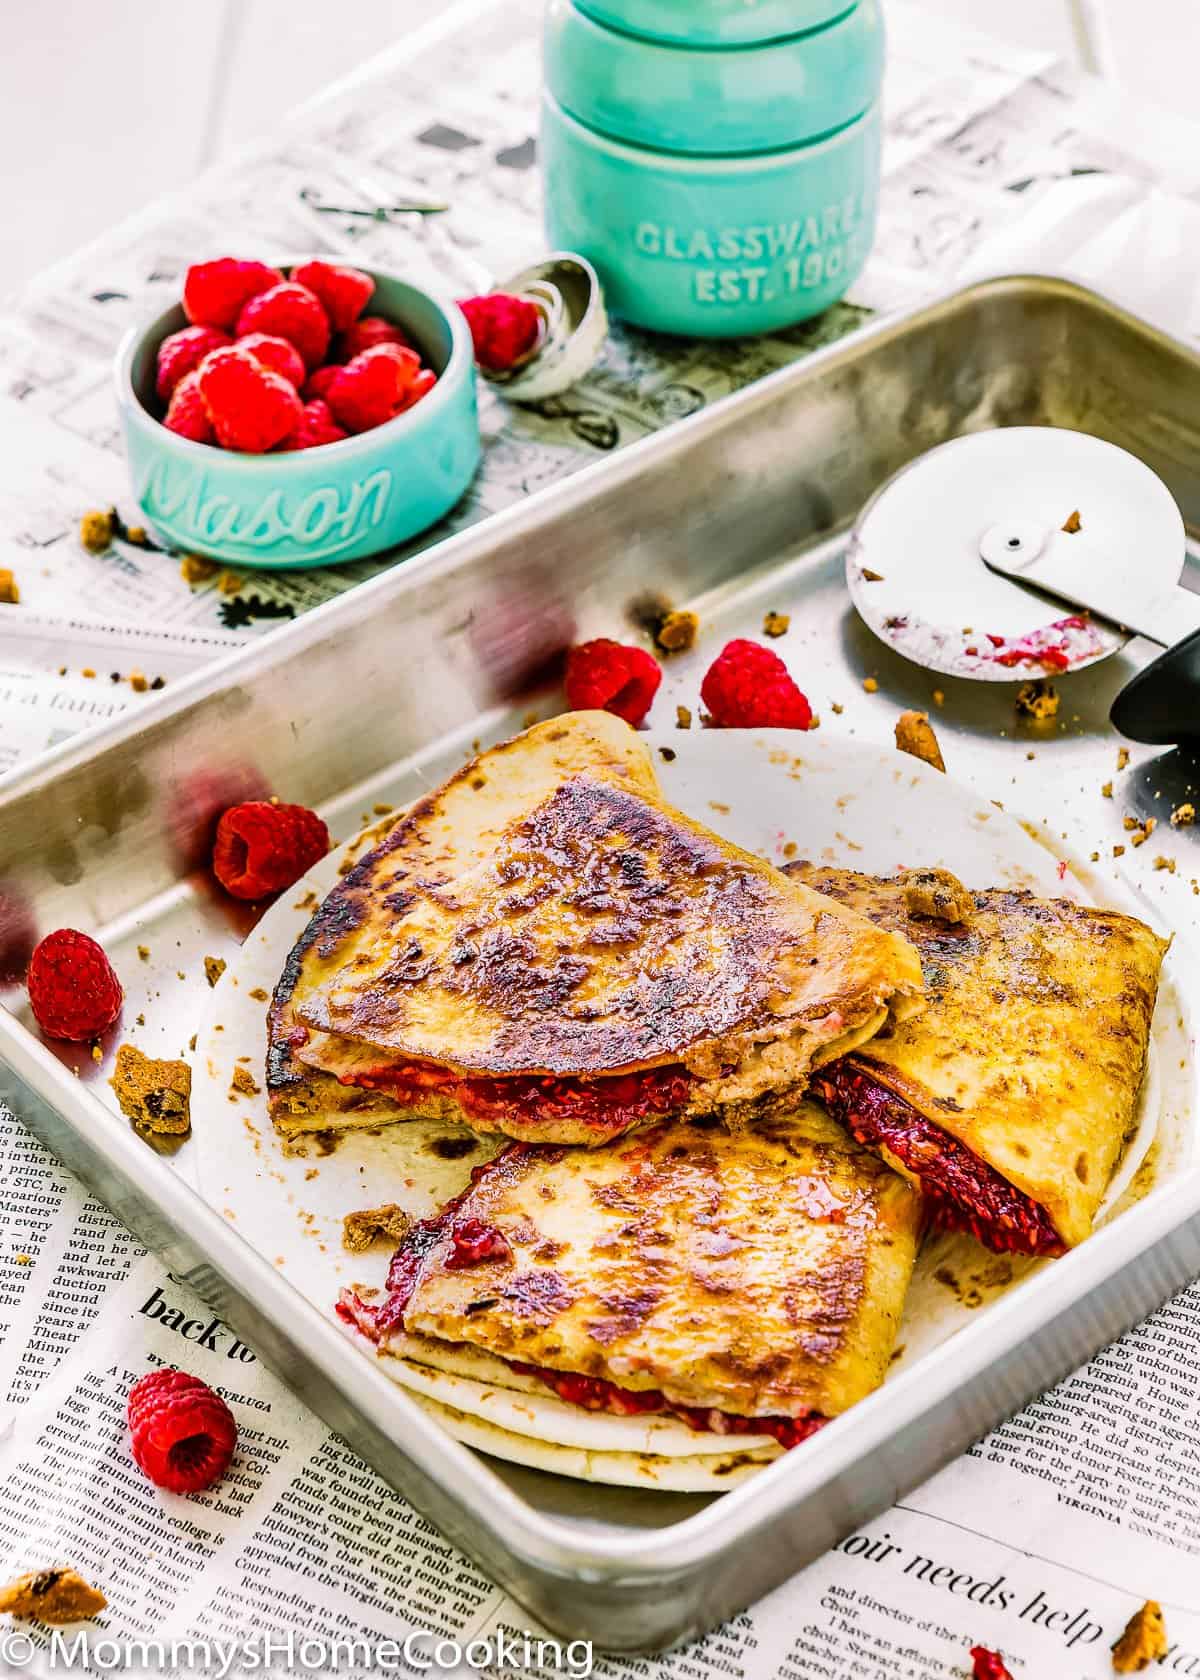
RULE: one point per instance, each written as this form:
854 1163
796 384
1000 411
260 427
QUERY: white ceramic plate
776 793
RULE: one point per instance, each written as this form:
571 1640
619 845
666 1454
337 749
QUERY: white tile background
104 103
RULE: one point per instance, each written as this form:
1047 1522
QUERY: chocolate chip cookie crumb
229 583
54 1596
776 624
1122 757
362 1230
1038 700
137 682
1072 523
1183 816
683 717
1106 790
1167 863
938 895
97 528
214 967
677 632
243 1081
260 994
1143 1642
914 735
10 594
143 952
156 1095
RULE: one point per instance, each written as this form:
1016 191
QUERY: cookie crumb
53 1596
97 528
137 682
155 1095
1141 832
1106 790
1143 1642
137 535
229 583
362 1230
1183 816
938 895
260 994
1072 523
677 632
243 1082
1122 757
1118 851
10 594
939 699
776 624
871 685
683 717
914 735
868 576
194 568
23 1259
1038 699
214 967
1167 863
87 671
836 709
143 952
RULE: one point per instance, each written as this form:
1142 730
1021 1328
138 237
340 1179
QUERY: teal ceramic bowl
715 247
683 99
313 507
710 23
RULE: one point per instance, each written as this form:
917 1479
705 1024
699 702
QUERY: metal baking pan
735 510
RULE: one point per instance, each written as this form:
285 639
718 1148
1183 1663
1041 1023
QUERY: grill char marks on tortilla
758 1273
595 961
1021 1075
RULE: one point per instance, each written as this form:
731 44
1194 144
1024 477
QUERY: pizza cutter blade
959 560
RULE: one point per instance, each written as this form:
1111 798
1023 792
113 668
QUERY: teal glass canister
721 185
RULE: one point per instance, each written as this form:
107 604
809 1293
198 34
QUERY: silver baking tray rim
640 1587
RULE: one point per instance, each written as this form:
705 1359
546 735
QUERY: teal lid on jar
712 23
714 102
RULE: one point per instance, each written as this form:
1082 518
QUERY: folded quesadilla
545 948
1010 1097
744 1282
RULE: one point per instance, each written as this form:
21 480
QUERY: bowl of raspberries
299 415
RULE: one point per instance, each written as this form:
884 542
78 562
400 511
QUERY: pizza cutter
959 560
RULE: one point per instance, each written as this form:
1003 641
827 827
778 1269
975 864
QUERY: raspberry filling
963 1192
612 1104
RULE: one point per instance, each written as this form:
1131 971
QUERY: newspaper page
1039 1542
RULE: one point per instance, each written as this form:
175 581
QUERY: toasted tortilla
758 1273
1033 1042
547 915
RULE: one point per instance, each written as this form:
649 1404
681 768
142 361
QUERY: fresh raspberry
420 387
606 676
187 412
251 408
262 848
343 292
373 387
183 1433
316 386
988 1665
182 351
365 335
504 329
317 427
214 292
292 312
748 687
73 991
277 354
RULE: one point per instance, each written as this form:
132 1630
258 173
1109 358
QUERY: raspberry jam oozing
597 1394
963 1192
611 1104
